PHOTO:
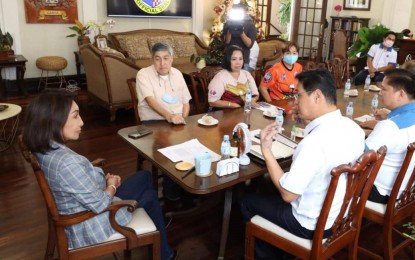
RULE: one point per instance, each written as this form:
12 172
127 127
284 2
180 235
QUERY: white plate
269 113
374 88
214 121
300 132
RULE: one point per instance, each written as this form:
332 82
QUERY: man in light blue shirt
396 132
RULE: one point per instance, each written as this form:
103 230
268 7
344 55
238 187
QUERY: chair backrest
399 207
311 65
345 230
200 86
133 91
339 69
340 44
270 51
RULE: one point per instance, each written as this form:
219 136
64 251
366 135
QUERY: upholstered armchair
106 75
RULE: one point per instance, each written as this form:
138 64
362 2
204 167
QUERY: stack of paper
282 147
186 151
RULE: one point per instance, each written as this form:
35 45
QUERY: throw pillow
163 39
135 46
112 51
184 45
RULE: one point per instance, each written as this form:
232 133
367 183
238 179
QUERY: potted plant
81 32
200 60
6 43
367 37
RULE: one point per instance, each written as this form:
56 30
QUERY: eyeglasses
298 94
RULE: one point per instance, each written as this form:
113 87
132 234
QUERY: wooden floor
23 221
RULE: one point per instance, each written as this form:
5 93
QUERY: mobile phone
141 131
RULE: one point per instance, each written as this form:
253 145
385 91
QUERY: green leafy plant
411 229
367 37
79 28
196 58
284 12
6 41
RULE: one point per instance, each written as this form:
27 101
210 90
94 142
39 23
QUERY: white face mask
388 43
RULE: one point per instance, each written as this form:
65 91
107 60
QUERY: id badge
292 87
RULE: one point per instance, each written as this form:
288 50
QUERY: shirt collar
383 46
319 120
402 109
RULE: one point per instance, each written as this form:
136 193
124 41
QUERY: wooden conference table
165 134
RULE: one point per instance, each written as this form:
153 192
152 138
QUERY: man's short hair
226 64
389 33
319 79
161 47
401 79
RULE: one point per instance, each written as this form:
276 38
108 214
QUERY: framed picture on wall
363 5
101 43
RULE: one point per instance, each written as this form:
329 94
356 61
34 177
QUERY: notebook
282 147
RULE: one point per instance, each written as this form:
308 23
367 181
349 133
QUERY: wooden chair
200 86
360 178
311 65
140 160
394 212
140 231
340 48
339 69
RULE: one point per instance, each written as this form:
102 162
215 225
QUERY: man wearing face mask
279 81
381 57
161 89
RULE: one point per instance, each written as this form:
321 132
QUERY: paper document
364 118
282 147
186 151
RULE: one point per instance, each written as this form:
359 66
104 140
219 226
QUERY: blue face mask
290 59
170 99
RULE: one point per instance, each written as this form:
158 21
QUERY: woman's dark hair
45 118
228 56
401 79
406 32
288 46
319 79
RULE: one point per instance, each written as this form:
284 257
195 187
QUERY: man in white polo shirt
381 57
330 140
396 132
161 89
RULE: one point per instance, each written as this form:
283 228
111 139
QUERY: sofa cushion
184 45
135 46
112 51
163 39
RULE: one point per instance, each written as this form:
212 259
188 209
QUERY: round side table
9 123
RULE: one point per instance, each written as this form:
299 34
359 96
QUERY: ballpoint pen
188 172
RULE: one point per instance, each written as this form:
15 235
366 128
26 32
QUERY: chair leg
156 247
51 244
249 242
127 254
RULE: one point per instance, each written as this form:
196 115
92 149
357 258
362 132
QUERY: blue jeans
273 208
139 187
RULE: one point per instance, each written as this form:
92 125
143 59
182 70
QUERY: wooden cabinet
407 47
350 25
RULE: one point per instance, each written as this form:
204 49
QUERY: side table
19 62
9 123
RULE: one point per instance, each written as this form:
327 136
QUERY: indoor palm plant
81 31
6 43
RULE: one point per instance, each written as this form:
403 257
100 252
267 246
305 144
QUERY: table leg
20 70
225 222
78 67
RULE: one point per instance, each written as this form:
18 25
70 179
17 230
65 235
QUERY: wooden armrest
99 162
129 233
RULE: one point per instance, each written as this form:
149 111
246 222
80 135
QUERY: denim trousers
139 187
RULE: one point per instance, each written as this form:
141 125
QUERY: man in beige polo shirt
161 89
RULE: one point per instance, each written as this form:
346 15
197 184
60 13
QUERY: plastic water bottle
280 119
349 110
225 148
347 88
248 100
367 83
293 132
375 103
